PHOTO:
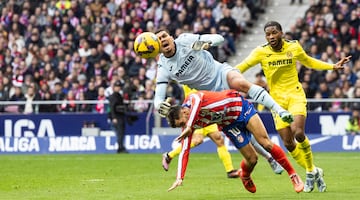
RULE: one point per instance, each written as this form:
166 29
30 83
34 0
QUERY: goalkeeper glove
200 45
164 107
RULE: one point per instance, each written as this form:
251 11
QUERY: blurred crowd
69 50
75 50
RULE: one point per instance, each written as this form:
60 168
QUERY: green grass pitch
141 177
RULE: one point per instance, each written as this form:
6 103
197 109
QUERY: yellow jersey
280 66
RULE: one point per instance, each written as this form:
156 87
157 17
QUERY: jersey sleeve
215 39
250 61
311 62
184 157
188 39
162 79
194 100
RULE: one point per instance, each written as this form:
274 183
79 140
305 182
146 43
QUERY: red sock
246 170
279 155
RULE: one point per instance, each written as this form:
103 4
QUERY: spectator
100 106
241 13
68 104
83 107
352 126
17 96
48 108
58 94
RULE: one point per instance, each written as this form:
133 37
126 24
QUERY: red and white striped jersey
207 107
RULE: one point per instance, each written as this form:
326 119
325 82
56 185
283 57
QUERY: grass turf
140 176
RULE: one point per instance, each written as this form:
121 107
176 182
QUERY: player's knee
239 83
217 138
299 135
197 141
268 145
219 141
290 145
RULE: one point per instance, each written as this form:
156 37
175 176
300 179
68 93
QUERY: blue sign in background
71 124
149 144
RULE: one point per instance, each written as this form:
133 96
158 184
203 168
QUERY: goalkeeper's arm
207 40
160 104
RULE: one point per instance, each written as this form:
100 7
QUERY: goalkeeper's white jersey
197 69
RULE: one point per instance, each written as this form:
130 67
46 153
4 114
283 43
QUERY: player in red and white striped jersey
238 119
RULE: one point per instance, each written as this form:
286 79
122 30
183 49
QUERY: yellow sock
177 150
225 157
308 157
297 154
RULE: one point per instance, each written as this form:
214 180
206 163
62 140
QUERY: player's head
273 34
273 23
177 116
167 44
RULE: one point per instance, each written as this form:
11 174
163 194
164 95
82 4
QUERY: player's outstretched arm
186 132
339 65
206 41
178 182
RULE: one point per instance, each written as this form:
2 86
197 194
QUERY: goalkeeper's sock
308 157
260 95
225 157
177 150
246 168
298 156
260 149
280 156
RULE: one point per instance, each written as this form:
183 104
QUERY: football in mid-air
147 45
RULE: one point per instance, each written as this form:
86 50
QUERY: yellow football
147 45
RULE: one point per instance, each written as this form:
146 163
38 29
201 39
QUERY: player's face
184 116
167 44
274 36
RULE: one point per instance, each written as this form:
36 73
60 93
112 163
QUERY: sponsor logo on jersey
183 67
278 63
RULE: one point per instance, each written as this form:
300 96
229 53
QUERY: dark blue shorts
237 132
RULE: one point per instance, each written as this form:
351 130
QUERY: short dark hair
173 114
273 23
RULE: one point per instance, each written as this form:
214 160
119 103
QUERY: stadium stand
71 50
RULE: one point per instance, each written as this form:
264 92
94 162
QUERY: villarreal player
278 59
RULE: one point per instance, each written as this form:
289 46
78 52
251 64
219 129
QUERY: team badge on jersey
289 54
240 138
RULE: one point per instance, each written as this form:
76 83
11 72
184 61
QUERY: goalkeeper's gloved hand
164 107
200 45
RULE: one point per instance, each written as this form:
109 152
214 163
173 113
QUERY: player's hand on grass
339 65
200 45
164 107
178 182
